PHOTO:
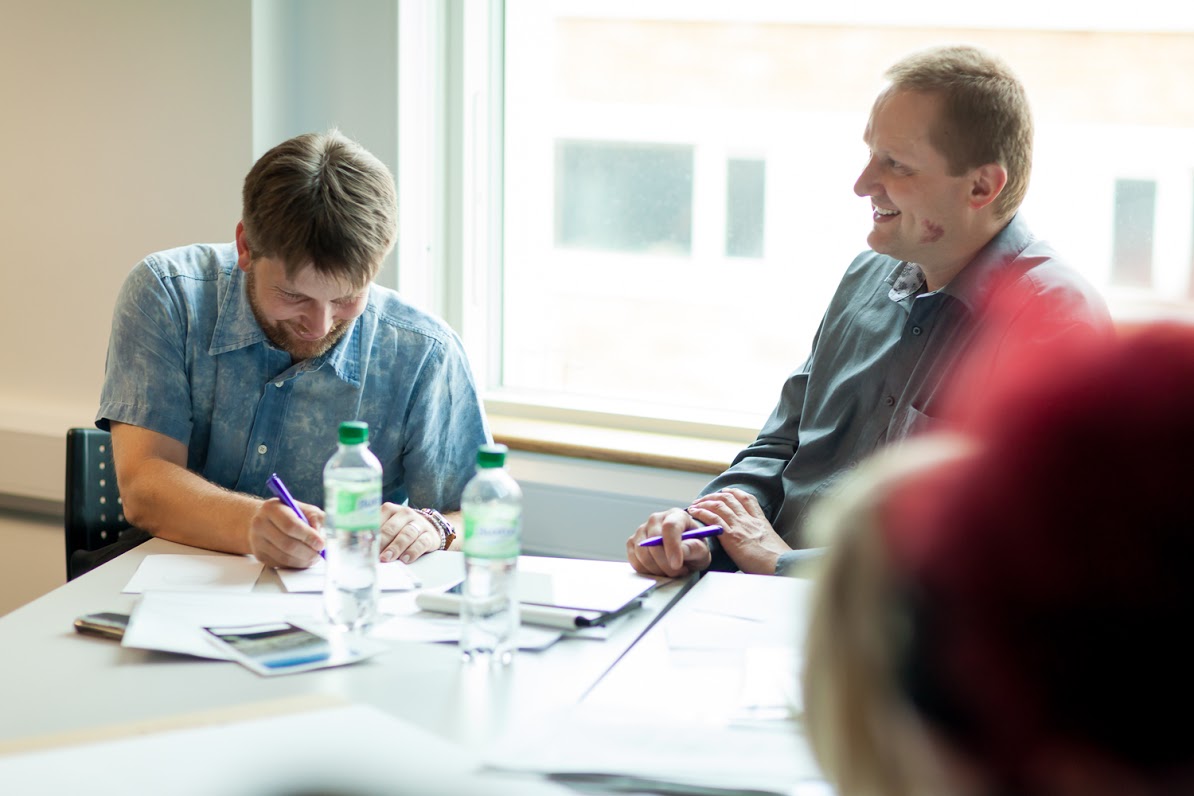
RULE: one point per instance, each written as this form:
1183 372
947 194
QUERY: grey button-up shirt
879 365
188 359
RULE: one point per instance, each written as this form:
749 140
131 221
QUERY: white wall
126 129
128 126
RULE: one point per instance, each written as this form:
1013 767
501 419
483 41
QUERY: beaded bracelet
447 534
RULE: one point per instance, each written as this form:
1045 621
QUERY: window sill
646 449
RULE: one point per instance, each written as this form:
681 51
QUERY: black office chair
94 514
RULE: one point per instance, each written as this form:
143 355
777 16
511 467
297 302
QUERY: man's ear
243 258
986 183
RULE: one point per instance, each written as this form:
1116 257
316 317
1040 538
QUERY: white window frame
450 205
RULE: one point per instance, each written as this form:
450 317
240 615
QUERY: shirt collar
906 280
978 280
975 283
236 327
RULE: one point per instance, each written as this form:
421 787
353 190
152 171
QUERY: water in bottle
352 504
492 508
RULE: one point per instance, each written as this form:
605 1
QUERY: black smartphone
103 624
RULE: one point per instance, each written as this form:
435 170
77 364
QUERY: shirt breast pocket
912 421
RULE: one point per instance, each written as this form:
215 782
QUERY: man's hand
278 538
676 556
747 535
406 533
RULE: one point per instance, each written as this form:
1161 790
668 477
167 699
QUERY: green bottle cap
491 456
353 432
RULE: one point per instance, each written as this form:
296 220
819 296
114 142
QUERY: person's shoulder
406 321
197 261
1042 273
1044 269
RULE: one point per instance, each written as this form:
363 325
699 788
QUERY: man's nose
863 186
319 321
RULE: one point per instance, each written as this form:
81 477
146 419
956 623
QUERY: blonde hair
856 721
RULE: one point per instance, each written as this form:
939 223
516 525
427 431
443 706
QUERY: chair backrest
94 514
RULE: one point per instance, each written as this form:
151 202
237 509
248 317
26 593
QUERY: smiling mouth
304 335
882 211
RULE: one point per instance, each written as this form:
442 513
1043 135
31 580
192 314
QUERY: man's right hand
278 538
676 556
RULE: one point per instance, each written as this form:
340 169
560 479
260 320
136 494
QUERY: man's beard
281 334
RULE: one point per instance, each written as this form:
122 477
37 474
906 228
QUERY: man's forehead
907 127
309 277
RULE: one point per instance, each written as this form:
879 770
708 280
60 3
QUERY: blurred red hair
1051 575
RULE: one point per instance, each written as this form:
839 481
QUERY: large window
677 182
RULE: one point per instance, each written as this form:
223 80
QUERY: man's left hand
747 535
406 533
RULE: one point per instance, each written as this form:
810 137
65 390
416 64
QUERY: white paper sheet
350 749
392 576
584 740
174 621
177 572
770 685
579 583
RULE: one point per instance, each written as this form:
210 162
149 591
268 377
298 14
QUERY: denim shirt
188 359
879 365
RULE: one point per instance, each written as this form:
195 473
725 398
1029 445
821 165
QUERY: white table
57 687
698 698
53 680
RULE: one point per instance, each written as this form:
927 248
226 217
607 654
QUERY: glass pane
679 201
624 197
746 182
1132 246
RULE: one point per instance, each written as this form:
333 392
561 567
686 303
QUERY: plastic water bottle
492 508
352 503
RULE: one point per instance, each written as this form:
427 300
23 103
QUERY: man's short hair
985 116
323 200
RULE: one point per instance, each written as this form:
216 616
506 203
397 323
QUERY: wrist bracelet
447 534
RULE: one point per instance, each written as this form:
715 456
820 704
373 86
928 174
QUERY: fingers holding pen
279 538
675 556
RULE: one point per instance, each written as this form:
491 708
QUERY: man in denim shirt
230 362
954 278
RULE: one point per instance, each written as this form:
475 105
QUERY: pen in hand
694 533
283 494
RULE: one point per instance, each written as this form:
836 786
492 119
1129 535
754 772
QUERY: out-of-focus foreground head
1035 593
861 729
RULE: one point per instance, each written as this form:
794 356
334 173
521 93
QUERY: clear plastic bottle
492 508
352 503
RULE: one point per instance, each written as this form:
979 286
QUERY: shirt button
278 384
889 400
262 449
916 330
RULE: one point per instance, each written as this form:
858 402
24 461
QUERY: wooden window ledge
646 449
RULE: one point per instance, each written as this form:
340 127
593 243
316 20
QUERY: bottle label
354 509
492 534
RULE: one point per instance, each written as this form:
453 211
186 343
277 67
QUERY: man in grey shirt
950 140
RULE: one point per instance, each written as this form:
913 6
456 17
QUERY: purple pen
695 533
283 494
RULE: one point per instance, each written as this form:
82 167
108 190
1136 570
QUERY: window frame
450 242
